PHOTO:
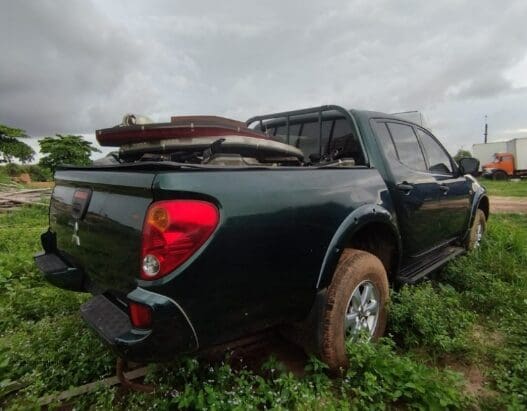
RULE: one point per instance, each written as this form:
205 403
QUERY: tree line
56 150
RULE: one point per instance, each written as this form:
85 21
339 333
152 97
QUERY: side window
345 143
407 146
385 140
438 160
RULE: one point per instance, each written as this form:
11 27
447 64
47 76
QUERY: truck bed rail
321 111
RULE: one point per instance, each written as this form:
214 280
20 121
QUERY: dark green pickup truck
203 230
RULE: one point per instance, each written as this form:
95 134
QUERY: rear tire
477 231
356 300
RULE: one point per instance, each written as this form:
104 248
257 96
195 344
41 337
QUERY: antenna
486 129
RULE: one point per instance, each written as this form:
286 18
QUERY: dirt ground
508 204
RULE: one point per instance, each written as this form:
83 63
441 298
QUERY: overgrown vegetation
36 172
511 188
470 317
4 177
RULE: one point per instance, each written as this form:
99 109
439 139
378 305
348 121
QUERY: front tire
355 304
479 226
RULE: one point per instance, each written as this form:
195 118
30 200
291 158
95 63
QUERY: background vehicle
507 158
187 241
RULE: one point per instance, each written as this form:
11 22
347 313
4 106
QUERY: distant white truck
502 159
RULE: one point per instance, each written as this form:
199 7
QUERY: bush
379 376
38 173
13 170
432 318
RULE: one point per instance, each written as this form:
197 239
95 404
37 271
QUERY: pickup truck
204 230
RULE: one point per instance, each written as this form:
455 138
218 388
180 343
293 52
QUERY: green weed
54 354
432 318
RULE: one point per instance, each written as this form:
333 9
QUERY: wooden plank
90 387
21 201
22 192
11 387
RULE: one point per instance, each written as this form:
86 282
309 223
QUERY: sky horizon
72 67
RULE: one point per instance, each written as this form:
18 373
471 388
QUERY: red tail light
140 315
172 232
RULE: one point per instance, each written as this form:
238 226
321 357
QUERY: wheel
355 305
500 175
476 231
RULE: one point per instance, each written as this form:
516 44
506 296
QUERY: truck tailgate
97 216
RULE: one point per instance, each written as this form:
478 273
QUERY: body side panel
262 264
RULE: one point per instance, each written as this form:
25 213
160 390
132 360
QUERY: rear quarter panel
262 264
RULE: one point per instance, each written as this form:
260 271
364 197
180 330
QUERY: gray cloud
72 66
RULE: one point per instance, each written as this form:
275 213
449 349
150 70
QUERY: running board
418 270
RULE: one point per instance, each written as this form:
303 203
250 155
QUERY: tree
462 153
12 148
65 149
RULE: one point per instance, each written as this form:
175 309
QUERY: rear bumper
171 332
58 273
54 269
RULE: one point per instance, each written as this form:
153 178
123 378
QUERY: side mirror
469 165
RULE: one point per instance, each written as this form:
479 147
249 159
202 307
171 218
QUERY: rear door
415 191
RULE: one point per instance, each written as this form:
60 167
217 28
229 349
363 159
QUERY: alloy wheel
362 311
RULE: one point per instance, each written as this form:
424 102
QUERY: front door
415 191
455 189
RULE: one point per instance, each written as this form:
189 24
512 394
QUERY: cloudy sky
75 66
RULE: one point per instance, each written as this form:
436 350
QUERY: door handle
405 187
444 188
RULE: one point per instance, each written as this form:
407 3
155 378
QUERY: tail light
172 232
140 315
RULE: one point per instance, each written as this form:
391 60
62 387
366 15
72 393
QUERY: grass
4 178
511 188
470 317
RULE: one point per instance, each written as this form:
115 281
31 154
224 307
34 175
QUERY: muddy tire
355 304
477 231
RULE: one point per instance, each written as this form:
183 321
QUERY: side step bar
417 271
